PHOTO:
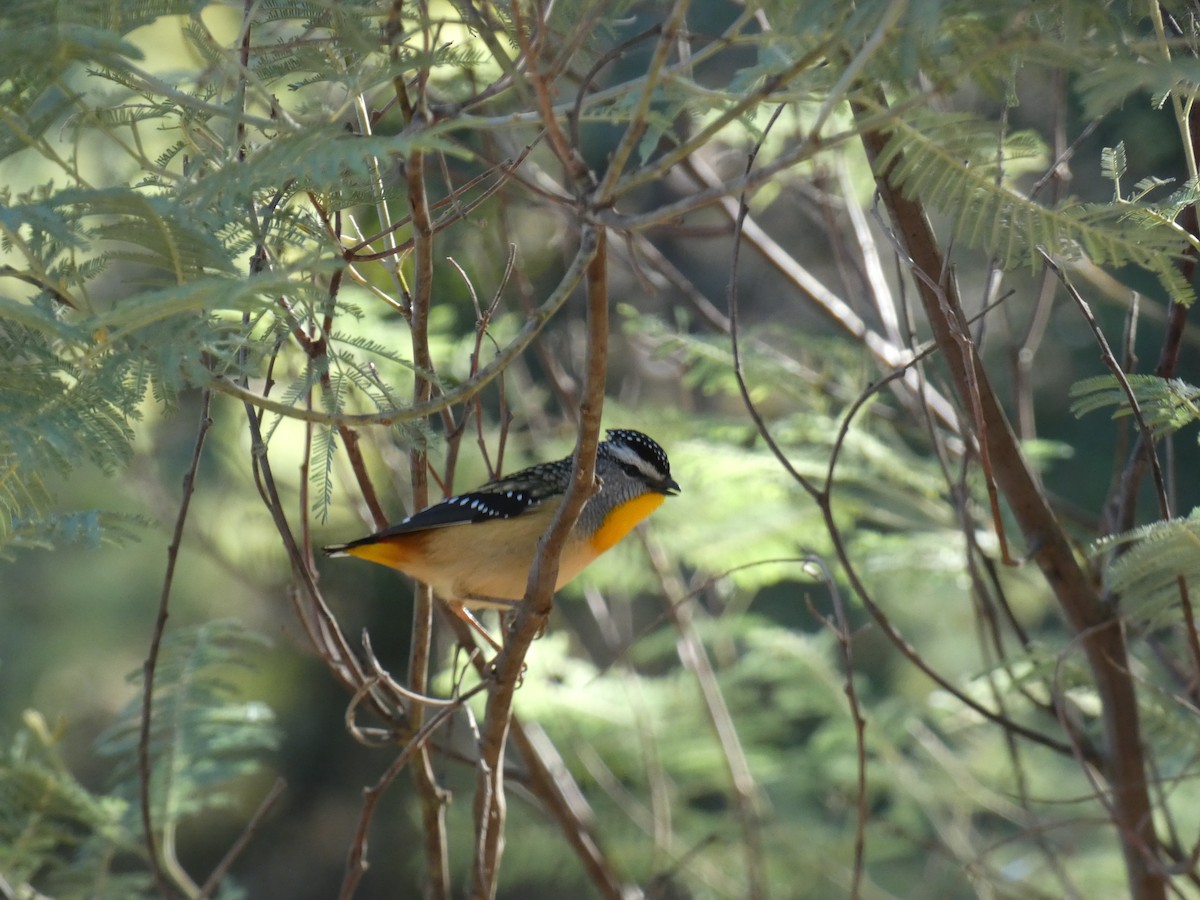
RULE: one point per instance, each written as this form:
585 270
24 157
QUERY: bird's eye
631 470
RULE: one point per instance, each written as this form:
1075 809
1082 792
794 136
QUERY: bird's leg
506 609
459 609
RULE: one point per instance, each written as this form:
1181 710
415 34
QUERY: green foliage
202 738
959 164
1104 88
64 841
180 208
1147 564
90 529
57 413
787 702
1113 165
1166 404
140 288
54 833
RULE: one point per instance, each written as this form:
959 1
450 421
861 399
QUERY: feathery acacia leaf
951 162
202 735
53 831
1166 404
1146 575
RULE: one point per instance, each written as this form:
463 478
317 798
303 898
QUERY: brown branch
535 322
839 625
697 200
318 353
356 860
547 778
222 868
1114 366
1122 506
569 156
694 658
1145 439
503 171
534 612
1099 629
550 781
888 354
674 23
433 797
319 623
149 667
823 496
825 502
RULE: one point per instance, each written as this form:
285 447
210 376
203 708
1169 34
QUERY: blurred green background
947 797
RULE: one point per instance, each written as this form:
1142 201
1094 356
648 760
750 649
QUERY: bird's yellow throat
621 520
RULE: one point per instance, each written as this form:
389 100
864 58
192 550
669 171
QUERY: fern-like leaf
1146 575
89 529
1113 165
1167 404
950 161
202 735
58 839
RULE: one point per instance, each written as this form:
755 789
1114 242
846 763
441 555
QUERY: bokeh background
953 809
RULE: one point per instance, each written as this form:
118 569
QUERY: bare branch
533 613
1098 628
149 667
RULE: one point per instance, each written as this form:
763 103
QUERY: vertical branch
150 665
534 612
694 656
672 26
433 802
1120 511
540 82
1098 628
548 779
1034 329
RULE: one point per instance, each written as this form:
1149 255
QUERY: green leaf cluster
203 738
59 839
959 164
56 834
1166 404
1148 564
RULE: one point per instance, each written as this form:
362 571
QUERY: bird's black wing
504 498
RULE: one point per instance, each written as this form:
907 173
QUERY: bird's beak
670 487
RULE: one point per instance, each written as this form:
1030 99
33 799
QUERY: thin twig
843 634
534 324
1146 437
694 657
748 812
1110 360
319 623
539 81
823 498
696 200
433 797
533 613
548 778
888 354
356 858
243 841
673 25
552 783
149 667
1096 625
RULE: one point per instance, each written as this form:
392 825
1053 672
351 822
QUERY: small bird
476 549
